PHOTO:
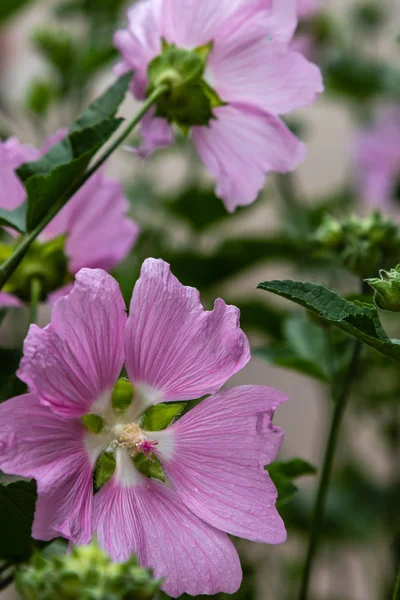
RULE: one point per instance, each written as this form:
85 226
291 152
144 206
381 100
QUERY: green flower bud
190 100
329 234
387 289
86 573
45 262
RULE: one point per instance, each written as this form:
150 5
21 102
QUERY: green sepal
387 289
211 94
204 51
122 395
175 67
159 416
104 469
149 466
93 423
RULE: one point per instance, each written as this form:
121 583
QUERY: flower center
131 438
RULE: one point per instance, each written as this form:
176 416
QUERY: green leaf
54 175
305 349
159 416
358 319
17 506
200 208
14 218
283 473
104 470
9 7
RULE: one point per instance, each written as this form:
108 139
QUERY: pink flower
377 156
307 8
213 457
252 70
99 235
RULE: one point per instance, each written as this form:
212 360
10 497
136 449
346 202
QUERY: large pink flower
250 67
98 233
307 8
213 457
377 153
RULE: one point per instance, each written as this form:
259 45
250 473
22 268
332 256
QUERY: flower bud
86 573
387 289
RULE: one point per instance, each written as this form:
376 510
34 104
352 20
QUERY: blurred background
57 55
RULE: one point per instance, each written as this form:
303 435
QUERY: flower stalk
10 265
36 291
341 400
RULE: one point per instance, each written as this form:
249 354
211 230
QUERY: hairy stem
9 266
341 398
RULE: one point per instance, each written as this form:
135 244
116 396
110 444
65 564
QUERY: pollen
131 437
134 440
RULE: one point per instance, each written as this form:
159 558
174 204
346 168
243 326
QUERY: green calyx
45 262
387 289
86 573
122 395
190 100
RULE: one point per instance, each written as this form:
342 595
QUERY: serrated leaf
159 416
283 473
16 219
358 319
54 175
17 507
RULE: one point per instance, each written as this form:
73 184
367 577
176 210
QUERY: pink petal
38 444
263 73
77 359
156 133
100 234
240 147
60 293
12 155
308 8
175 347
147 518
215 457
190 23
10 301
140 42
377 157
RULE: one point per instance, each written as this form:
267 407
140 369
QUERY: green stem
9 266
319 509
36 291
396 595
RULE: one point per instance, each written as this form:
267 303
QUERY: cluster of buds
362 245
86 573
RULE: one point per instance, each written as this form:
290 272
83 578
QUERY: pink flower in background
250 67
98 232
213 456
308 8
377 155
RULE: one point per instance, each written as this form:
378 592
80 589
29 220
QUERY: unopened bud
86 573
387 289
